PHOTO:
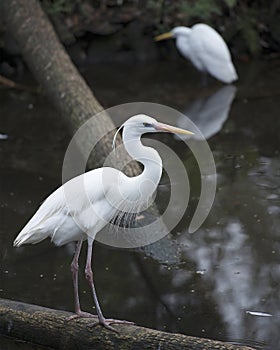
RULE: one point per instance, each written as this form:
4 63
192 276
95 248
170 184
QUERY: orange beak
172 129
163 36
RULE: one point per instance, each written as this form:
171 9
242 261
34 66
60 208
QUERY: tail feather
42 223
29 237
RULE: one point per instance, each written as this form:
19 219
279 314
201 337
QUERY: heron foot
106 322
80 314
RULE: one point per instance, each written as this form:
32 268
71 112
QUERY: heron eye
147 125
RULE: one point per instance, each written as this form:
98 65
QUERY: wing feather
78 205
210 53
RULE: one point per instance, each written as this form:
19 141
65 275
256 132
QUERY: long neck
148 156
183 45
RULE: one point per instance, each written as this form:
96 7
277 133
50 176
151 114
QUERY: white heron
205 48
81 207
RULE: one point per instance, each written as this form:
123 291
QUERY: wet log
59 78
48 327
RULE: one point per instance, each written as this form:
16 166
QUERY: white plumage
205 48
80 208
74 210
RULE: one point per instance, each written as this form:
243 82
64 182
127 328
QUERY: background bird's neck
182 43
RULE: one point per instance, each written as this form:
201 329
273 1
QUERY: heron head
141 124
180 31
174 33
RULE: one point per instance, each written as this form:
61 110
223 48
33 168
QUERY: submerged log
48 327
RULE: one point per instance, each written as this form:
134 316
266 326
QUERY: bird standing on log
80 208
205 48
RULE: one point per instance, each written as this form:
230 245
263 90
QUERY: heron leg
89 276
75 276
75 272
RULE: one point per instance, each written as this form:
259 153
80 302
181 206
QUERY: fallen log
48 327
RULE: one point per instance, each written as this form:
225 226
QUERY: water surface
226 283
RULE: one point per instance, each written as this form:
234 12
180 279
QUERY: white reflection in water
209 113
258 313
239 251
3 136
236 288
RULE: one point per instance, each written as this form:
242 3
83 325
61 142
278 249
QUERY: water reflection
3 136
238 251
210 112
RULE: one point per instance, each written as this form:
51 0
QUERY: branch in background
11 84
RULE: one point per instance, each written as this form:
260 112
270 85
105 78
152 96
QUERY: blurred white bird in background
80 208
205 48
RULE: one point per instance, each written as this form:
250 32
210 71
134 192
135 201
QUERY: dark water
226 284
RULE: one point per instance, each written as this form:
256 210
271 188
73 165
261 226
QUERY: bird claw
80 314
107 323
102 322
